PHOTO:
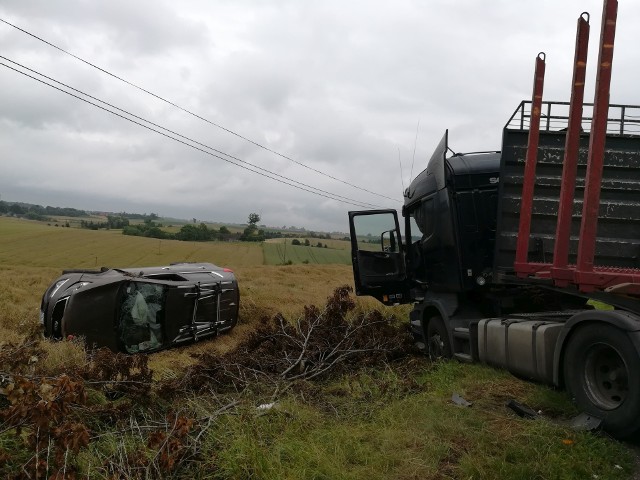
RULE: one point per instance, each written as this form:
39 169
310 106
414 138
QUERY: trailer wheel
438 345
600 373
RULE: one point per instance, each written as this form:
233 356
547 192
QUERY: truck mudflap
523 347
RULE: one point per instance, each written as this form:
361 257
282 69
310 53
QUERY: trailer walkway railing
554 117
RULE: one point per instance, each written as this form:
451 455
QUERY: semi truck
527 258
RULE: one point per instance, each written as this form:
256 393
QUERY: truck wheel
600 373
437 339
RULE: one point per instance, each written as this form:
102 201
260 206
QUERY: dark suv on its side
141 309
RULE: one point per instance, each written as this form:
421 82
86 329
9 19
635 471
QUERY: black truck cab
449 221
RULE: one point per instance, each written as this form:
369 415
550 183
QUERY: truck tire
600 373
438 345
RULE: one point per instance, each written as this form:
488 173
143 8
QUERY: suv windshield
141 316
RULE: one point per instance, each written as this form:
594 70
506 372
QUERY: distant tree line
121 220
312 234
147 229
113 221
307 243
151 228
203 233
199 233
38 212
189 232
254 234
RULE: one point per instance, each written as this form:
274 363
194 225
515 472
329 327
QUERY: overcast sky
337 86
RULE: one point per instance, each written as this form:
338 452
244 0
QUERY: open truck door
378 256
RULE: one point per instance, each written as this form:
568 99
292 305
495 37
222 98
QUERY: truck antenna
414 150
400 162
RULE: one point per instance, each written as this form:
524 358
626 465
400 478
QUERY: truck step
463 357
461 332
416 327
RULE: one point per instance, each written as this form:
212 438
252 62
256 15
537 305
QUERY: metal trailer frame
586 276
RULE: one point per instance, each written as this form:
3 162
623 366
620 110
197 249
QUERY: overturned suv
141 309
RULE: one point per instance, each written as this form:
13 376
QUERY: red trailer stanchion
526 204
561 272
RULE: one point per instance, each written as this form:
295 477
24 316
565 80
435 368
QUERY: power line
185 137
255 169
238 162
169 102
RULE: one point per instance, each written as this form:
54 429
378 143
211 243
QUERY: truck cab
449 231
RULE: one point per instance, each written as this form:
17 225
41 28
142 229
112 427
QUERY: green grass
378 425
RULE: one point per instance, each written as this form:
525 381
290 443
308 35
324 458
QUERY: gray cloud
340 86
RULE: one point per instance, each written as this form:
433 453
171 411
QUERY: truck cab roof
459 171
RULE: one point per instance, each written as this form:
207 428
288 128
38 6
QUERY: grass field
391 422
34 243
279 253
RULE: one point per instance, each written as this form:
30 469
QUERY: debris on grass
522 410
585 422
458 400
322 341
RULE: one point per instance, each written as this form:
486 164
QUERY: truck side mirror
388 241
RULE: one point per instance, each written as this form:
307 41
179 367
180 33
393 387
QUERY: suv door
377 256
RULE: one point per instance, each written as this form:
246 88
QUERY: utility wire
238 162
192 113
182 136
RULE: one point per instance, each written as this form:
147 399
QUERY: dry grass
20 291
33 254
63 356
266 290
